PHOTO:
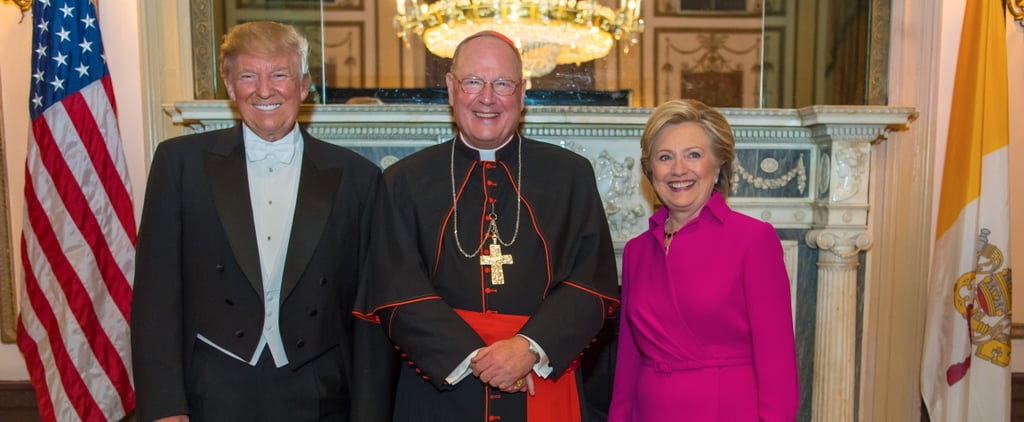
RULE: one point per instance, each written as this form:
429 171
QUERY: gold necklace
493 228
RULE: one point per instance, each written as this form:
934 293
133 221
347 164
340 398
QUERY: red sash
555 401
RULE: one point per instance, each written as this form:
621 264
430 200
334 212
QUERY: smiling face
485 119
683 170
267 92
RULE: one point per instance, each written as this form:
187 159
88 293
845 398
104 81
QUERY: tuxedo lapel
226 172
318 187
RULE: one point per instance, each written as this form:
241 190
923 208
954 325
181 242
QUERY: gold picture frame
8 305
300 4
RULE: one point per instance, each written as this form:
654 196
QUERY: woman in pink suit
706 331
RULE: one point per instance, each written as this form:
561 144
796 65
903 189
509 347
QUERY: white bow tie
280 150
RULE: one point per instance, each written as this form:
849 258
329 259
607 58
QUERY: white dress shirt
273 186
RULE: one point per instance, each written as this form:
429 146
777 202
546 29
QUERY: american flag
78 238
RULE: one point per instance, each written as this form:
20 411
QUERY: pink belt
667 367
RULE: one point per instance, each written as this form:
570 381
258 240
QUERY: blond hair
263 39
714 124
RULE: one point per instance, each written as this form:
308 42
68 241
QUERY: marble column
840 233
835 337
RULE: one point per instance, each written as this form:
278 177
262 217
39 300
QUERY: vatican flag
965 374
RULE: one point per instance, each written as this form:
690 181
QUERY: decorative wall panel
719 67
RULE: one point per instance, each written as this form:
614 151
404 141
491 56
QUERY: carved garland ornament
799 172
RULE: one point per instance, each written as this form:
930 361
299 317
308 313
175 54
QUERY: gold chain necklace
493 228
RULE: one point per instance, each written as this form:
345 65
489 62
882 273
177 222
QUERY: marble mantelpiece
797 168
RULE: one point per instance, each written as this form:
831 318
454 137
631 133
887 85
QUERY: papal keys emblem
982 296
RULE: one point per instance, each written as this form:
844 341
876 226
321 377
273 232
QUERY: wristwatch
535 353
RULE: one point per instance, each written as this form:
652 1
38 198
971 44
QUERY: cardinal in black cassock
491 265
556 260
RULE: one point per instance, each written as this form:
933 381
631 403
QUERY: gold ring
518 385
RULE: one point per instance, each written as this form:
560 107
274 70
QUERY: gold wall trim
8 304
202 50
878 52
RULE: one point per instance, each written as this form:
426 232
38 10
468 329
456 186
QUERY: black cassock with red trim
557 263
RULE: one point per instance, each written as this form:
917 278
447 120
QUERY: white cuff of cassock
462 370
543 366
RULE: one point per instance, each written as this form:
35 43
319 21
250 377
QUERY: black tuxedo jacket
198 267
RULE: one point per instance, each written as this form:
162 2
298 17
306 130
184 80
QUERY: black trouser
224 389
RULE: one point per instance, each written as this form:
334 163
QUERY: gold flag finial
1016 8
24 5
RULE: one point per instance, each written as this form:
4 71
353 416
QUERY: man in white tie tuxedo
250 249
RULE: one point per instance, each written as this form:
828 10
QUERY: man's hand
529 385
503 363
523 385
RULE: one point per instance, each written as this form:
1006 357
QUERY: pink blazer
706 331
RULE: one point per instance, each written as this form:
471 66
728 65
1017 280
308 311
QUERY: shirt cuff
460 372
543 366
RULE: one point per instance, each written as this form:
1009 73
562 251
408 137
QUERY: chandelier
547 32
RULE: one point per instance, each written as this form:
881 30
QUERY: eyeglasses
501 87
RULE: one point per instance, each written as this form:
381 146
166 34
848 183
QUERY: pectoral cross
495 260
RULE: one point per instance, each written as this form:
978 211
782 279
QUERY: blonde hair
263 39
714 124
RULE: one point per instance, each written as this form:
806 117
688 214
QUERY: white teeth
681 185
486 115
266 107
